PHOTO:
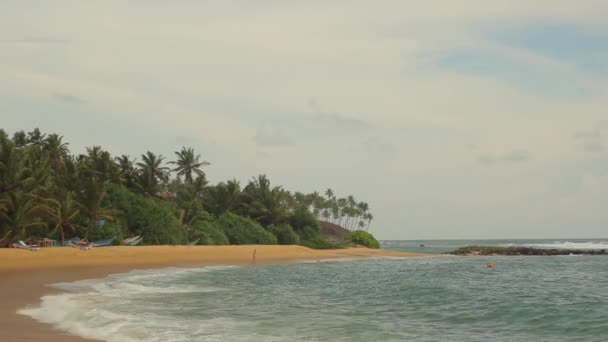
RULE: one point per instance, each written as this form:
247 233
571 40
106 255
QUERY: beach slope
24 274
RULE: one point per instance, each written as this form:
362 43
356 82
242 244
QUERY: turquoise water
438 298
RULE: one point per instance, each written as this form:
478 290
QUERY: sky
452 119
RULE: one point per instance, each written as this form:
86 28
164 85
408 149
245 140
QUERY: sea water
435 298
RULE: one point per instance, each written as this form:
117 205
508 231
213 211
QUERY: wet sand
24 275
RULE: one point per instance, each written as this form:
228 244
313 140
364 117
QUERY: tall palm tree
189 163
96 171
63 212
126 171
317 203
21 213
342 204
35 137
264 204
14 172
152 173
369 217
20 138
223 197
57 150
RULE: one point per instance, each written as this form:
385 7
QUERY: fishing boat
134 242
102 243
129 241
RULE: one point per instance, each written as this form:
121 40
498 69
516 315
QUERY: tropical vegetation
48 192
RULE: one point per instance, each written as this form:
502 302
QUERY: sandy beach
24 275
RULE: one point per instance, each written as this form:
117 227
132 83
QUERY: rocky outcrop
333 231
495 250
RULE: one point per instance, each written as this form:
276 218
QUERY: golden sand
25 274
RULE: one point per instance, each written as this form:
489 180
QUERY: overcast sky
453 119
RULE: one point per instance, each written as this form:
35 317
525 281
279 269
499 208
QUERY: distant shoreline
25 275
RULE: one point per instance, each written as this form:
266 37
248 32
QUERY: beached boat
134 242
102 243
128 241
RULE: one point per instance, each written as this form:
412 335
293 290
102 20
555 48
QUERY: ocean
435 298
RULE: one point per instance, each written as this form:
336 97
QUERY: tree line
46 191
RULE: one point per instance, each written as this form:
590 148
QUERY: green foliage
285 234
45 191
305 224
263 203
208 233
147 217
318 243
364 238
223 197
244 231
107 231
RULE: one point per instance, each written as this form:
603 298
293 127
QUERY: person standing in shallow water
254 252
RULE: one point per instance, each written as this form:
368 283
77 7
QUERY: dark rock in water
495 250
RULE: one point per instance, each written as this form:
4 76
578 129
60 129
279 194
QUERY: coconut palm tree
20 138
35 137
57 150
63 212
223 197
189 163
264 203
152 173
127 174
369 217
21 212
96 171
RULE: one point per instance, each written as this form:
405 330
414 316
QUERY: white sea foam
591 245
105 308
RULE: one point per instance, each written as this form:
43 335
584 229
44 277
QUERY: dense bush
208 233
244 231
318 243
285 234
144 216
305 224
364 238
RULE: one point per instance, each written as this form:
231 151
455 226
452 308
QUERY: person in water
254 252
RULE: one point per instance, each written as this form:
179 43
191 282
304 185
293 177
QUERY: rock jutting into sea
496 250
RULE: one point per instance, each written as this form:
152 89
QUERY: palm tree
127 173
20 214
152 173
223 197
14 171
317 203
96 170
35 137
361 225
57 150
341 203
189 163
63 213
263 203
369 217
20 138
326 214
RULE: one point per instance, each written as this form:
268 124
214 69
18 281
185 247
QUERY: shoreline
25 275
